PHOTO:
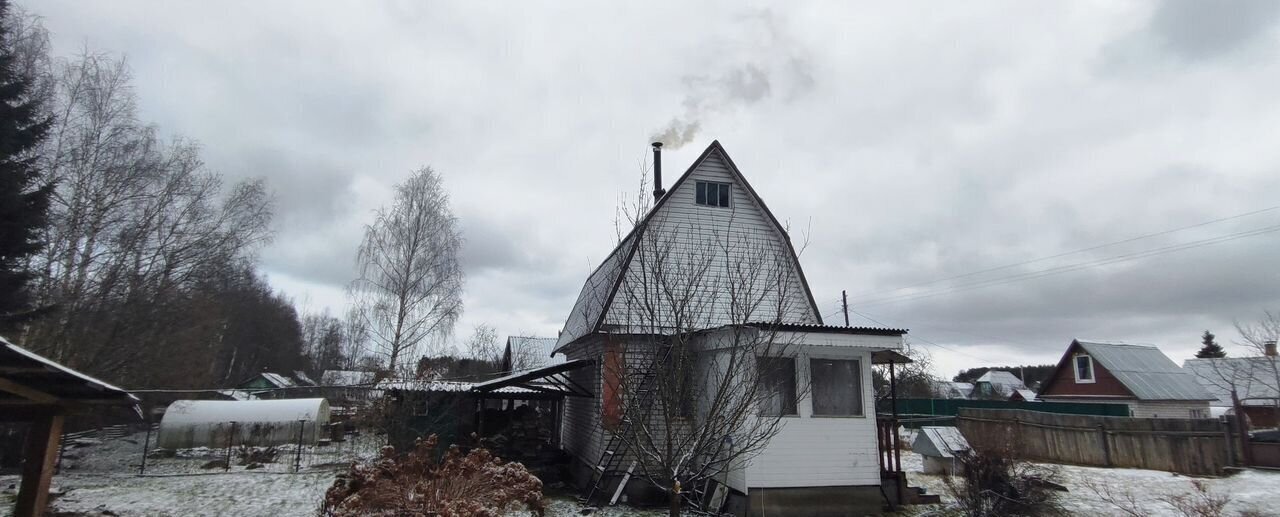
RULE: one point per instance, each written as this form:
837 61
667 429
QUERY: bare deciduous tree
1264 367
139 230
483 344
410 286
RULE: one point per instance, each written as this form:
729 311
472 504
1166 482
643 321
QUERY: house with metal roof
1253 379
996 384
706 268
1140 376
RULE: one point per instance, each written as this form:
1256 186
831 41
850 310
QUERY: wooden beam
27 392
39 458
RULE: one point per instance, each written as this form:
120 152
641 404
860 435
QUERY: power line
1072 252
915 337
1072 267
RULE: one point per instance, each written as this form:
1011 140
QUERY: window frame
861 409
723 192
795 389
1075 369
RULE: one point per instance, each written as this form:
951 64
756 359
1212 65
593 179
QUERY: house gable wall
1063 382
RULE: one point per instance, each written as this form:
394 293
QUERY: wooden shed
41 392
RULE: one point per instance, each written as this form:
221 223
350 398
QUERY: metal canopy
889 357
550 380
27 379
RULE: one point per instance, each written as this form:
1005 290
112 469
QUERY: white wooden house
826 457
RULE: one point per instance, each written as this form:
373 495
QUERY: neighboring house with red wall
1141 376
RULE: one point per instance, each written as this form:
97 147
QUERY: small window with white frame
1084 368
711 194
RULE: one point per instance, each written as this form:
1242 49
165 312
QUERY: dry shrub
417 484
1199 503
995 485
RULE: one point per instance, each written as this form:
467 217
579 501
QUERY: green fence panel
951 407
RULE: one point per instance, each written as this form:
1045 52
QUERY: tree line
122 254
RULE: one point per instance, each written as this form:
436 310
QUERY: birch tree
409 290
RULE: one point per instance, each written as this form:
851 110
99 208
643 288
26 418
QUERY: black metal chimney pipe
658 191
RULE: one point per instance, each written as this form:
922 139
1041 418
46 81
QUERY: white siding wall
1168 409
822 451
683 232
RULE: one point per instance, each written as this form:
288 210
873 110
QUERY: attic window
1083 368
712 194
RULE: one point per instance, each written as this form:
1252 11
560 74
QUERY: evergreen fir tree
24 194
1211 349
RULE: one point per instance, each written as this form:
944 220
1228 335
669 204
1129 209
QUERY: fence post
146 443
1225 422
1106 445
297 457
231 437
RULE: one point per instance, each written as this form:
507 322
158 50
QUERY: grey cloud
1197 30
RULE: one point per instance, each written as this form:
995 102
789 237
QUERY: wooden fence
1194 447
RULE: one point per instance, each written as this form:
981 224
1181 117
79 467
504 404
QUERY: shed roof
1252 378
1143 369
442 386
29 378
939 441
347 378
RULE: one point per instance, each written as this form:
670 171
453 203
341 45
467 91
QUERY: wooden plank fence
1193 447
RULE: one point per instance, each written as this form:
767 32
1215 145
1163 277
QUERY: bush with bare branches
995 484
420 484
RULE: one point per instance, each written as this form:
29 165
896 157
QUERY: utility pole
844 303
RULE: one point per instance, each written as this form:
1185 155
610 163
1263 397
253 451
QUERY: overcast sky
909 142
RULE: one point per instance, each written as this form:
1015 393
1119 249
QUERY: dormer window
712 194
1084 368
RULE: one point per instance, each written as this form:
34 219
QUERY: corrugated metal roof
1146 371
1003 378
1027 395
442 386
1252 378
939 441
44 375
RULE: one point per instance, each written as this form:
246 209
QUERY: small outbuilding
217 423
938 446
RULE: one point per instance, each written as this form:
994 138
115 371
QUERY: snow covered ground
102 476
1250 491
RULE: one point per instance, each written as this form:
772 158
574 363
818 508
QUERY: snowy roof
302 378
277 380
47 377
1144 370
1027 395
953 390
244 411
939 441
346 378
597 296
1002 378
441 386
1252 378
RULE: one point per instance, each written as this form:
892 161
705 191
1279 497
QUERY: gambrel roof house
1138 375
713 231
997 383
